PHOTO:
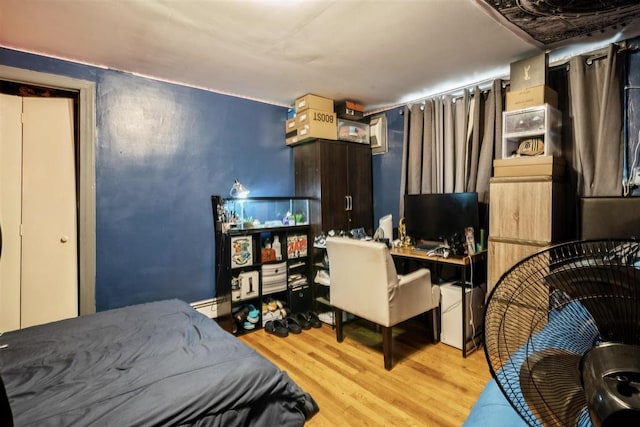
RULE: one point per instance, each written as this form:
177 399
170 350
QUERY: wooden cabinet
337 175
525 215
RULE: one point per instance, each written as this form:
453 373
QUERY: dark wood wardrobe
337 175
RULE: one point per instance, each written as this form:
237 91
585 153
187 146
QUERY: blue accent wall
387 170
162 150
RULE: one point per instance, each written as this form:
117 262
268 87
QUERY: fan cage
560 302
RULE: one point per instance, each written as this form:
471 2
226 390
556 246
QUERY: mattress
160 363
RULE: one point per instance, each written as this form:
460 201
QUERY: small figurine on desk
402 233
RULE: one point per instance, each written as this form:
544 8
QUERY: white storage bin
274 278
349 130
543 122
247 285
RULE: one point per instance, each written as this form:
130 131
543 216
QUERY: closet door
49 242
38 268
10 209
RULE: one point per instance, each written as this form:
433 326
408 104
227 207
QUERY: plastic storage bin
543 122
349 130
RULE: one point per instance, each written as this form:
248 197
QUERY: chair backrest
363 277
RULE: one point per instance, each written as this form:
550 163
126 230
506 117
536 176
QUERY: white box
249 284
451 313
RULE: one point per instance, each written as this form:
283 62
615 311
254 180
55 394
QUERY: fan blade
609 292
551 385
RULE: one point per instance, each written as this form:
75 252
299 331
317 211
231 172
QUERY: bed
159 363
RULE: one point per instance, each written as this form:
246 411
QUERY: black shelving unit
246 274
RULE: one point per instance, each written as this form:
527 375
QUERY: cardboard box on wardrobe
311 124
313 101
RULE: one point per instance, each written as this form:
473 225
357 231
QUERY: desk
409 253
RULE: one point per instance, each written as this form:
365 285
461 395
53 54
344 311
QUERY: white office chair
364 282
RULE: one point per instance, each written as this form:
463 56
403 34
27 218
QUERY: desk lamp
238 190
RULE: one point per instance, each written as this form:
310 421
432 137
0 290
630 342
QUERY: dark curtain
595 152
450 143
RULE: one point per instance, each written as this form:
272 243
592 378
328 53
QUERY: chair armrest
414 275
414 295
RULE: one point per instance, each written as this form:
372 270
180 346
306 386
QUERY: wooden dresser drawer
504 255
524 208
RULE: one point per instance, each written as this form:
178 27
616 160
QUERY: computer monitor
437 217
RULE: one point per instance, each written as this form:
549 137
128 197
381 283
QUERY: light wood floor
429 385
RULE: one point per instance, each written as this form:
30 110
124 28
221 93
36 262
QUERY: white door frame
87 173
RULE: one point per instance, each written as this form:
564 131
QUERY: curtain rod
484 85
624 47
595 55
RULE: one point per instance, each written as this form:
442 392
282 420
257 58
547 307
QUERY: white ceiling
378 52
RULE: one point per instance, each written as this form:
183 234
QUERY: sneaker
248 325
322 278
327 318
241 315
272 315
320 241
272 305
253 315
